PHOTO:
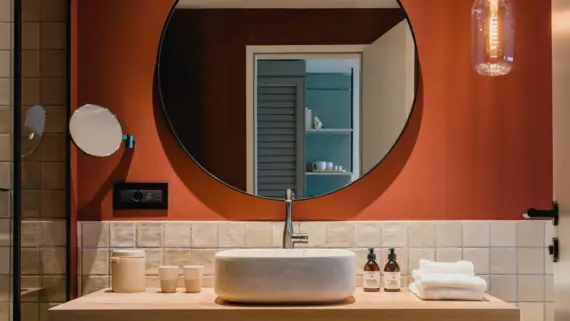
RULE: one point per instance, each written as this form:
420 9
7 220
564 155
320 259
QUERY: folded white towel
459 267
446 293
446 280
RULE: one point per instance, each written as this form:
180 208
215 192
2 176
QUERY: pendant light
493 36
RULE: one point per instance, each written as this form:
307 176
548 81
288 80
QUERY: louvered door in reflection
280 129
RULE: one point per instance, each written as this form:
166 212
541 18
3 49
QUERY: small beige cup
193 278
168 277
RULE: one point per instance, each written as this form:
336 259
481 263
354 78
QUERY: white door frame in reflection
281 52
318 51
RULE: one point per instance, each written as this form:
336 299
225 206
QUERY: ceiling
286 4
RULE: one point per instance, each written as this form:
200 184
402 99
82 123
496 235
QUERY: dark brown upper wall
203 69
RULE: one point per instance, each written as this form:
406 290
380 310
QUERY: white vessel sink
285 275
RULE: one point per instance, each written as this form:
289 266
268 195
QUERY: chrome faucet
290 238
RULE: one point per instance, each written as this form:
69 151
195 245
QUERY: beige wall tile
94 283
177 234
548 312
56 120
503 260
54 289
5 63
53 62
53 10
31 282
231 234
5 175
414 256
31 10
31 204
5 293
421 234
5 36
30 35
30 63
52 147
5 259
95 262
178 257
154 259
258 234
53 35
340 234
448 234
53 260
367 234
31 176
5 92
53 91
205 257
530 288
5 10
549 288
479 257
449 254
96 235
53 175
530 233
204 234
5 232
5 205
394 234
504 233
53 204
529 262
122 234
149 234
54 233
30 260
5 307
5 120
30 312
504 287
476 233
5 147
31 234
44 308
30 91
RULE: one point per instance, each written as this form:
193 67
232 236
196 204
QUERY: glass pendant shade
493 36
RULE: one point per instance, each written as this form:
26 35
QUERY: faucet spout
290 238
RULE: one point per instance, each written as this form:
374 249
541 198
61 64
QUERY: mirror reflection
265 105
95 130
33 129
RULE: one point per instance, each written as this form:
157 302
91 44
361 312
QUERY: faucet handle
299 238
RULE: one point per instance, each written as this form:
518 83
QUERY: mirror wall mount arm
129 141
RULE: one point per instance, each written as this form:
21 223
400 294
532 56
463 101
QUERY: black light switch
140 196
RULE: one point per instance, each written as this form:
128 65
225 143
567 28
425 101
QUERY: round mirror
292 96
95 130
33 129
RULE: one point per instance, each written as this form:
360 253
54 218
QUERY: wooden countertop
150 305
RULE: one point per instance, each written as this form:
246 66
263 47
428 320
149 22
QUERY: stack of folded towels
447 281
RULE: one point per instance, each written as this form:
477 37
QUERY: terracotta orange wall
475 148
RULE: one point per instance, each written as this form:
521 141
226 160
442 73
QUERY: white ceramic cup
330 166
319 166
168 277
193 278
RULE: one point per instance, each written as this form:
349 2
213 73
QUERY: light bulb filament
494 38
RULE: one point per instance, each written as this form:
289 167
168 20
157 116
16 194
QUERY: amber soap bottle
371 273
392 276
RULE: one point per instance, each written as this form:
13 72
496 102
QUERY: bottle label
371 279
392 280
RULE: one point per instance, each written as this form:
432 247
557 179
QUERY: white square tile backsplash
511 255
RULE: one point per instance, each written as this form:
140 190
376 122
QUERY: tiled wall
43 172
510 255
6 57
